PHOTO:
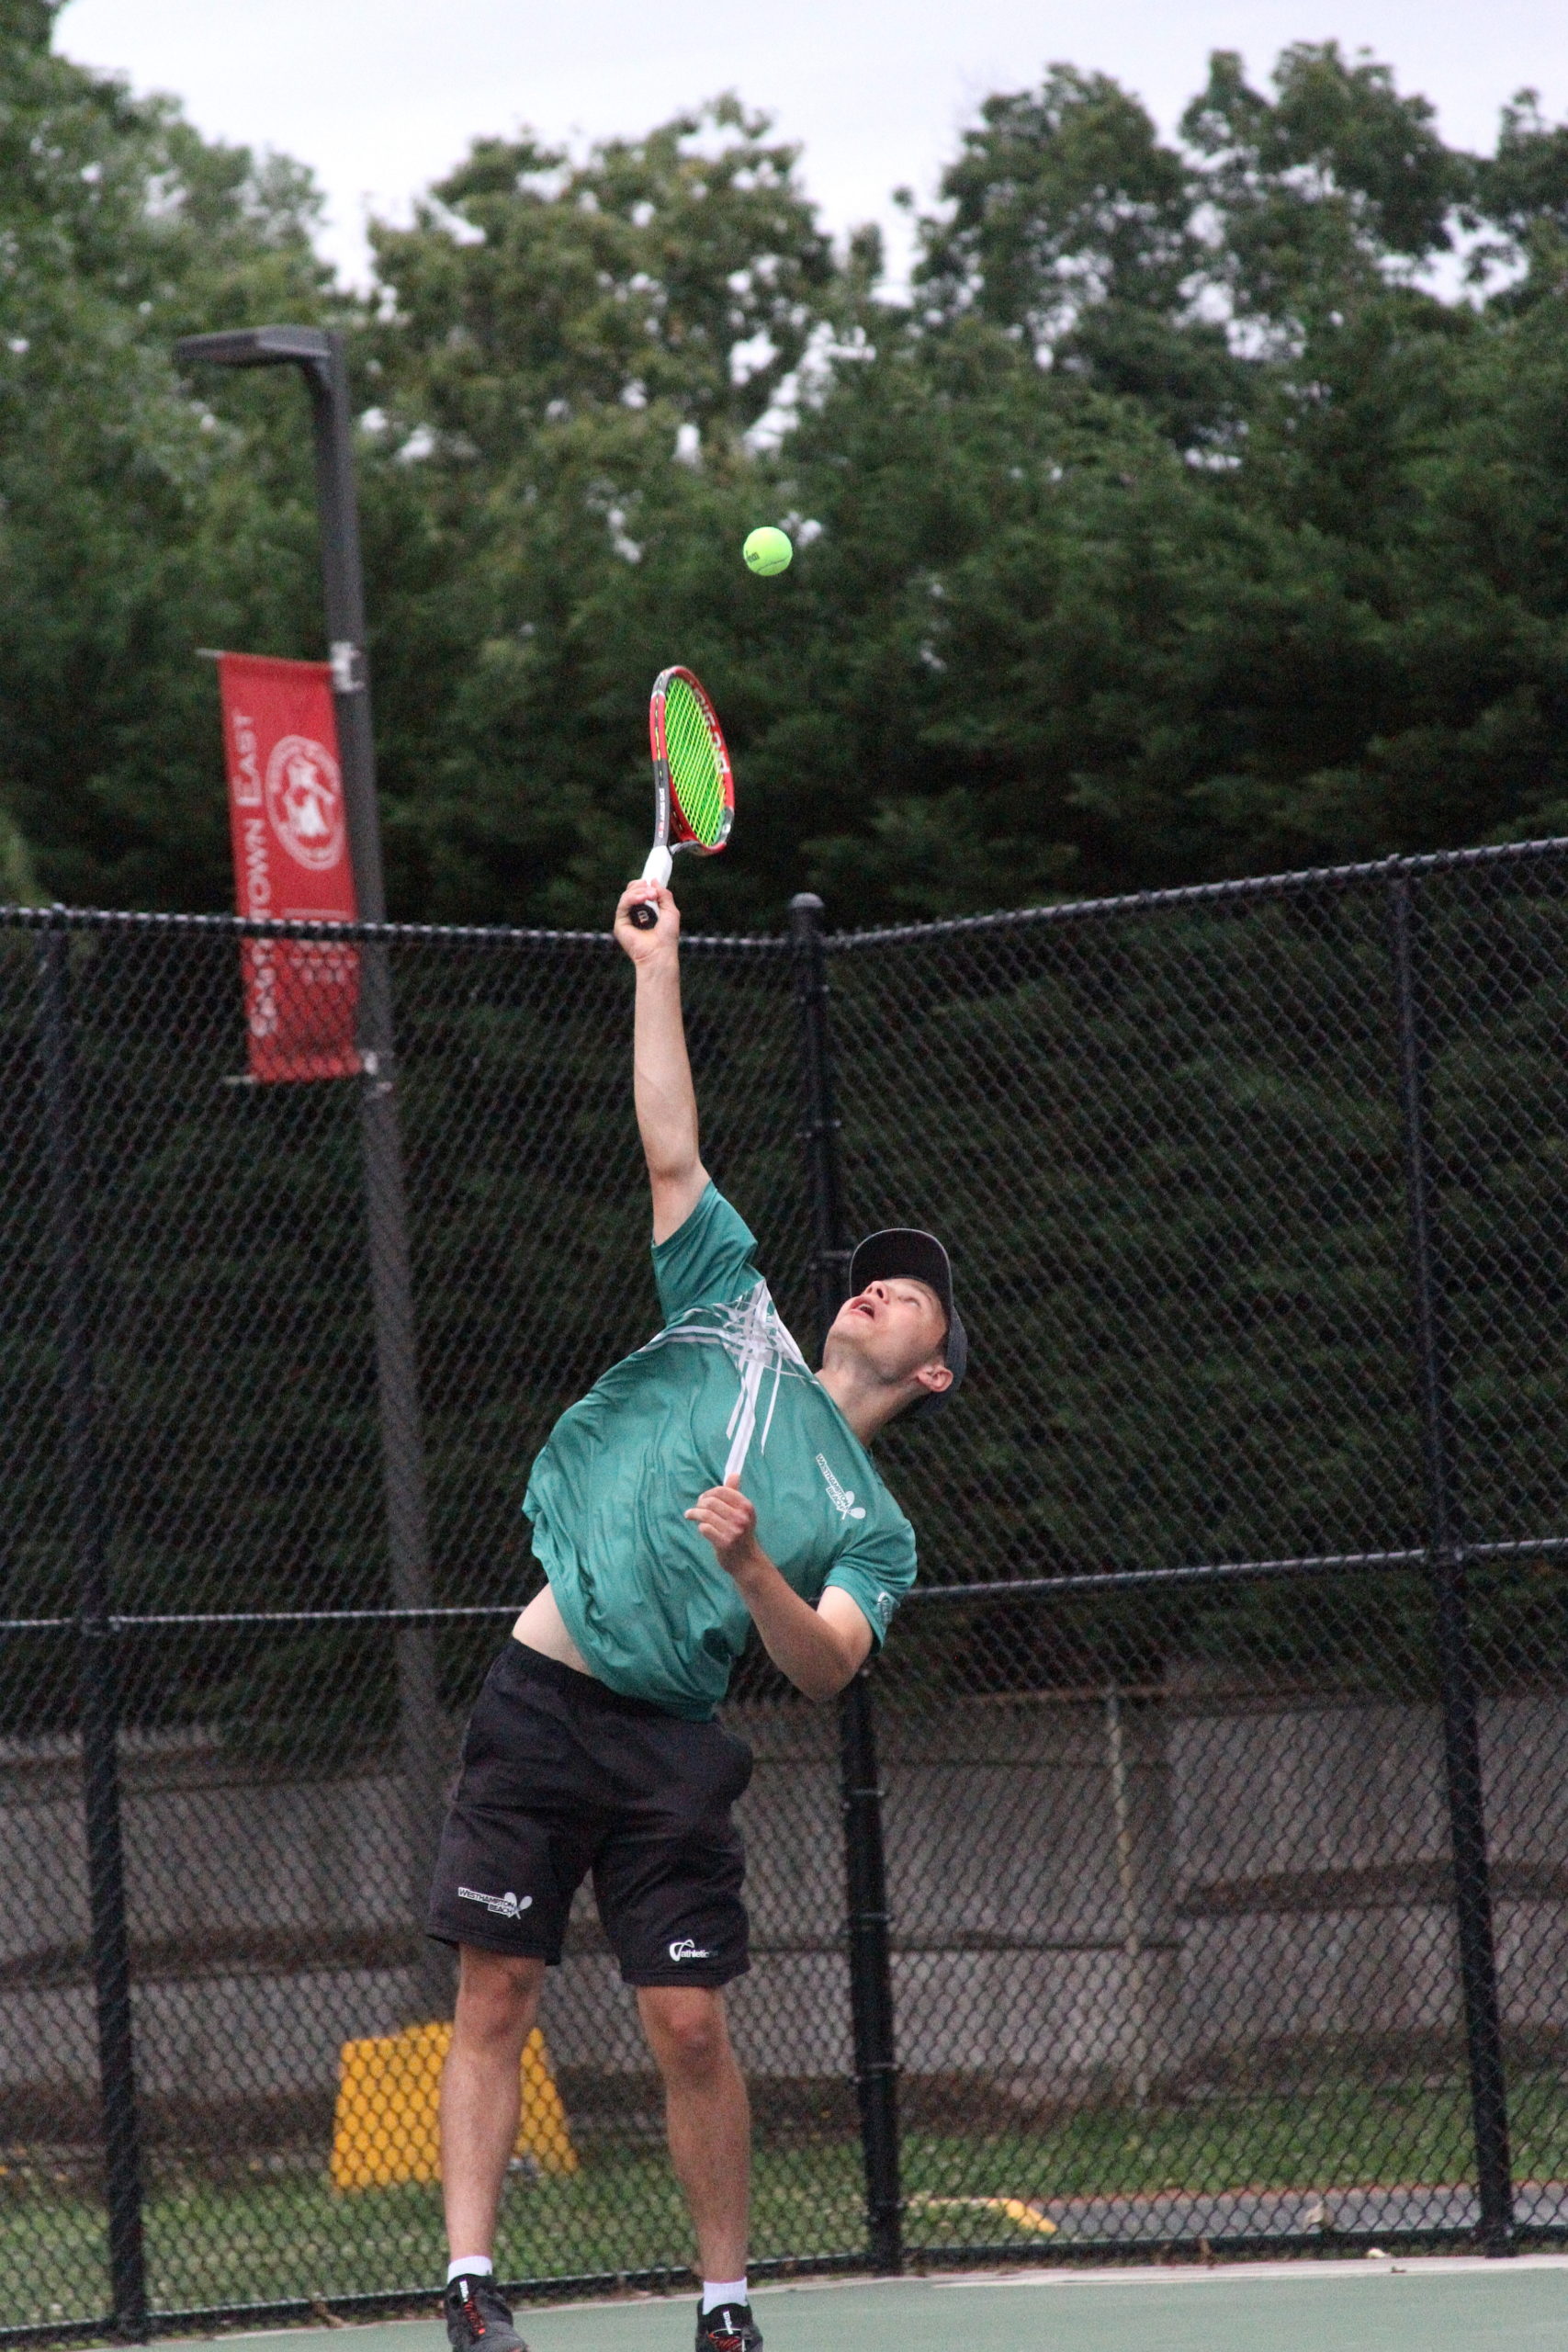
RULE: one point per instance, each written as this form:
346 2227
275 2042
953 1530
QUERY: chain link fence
1191 1870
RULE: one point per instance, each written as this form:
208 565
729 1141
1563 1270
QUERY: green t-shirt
722 1388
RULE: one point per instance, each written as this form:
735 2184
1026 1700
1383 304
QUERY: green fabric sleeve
877 1572
707 1260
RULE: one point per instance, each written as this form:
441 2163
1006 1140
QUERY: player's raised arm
662 1074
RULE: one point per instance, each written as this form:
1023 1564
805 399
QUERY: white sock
469 2265
719 2292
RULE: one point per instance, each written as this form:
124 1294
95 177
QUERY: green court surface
1371 2306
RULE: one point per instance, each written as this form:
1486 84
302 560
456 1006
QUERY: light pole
320 357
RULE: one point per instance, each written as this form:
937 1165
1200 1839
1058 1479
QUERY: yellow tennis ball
768 552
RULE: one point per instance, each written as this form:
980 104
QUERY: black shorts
562 1776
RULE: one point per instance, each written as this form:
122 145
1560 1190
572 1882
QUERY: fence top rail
1197 894
1220 1572
468 934
769 943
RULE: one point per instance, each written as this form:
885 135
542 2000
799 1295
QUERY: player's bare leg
498 2001
707 2116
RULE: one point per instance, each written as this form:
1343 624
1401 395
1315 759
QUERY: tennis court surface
1459 2305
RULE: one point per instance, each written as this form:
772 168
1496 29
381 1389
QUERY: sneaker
479 2318
730 2328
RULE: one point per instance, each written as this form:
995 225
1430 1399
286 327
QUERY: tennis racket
693 784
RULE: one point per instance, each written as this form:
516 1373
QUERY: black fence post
98 1667
1462 1733
871 1968
870 1977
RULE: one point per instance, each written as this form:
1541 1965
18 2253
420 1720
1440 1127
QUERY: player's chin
853 1330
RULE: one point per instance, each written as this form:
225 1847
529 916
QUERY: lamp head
257 348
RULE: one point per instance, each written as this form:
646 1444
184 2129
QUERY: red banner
291 859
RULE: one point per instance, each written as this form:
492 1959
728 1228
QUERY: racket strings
696 778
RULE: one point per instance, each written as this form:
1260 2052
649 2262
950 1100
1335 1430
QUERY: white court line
1191 2274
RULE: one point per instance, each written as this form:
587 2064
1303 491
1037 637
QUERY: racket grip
644 915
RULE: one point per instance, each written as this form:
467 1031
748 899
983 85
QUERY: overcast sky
381 97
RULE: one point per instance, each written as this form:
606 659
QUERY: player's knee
686 2027
497 1993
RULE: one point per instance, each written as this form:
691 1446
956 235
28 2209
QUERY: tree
1331 188
1519 206
1182 523
684 271
569 360
1070 224
134 524
1130 555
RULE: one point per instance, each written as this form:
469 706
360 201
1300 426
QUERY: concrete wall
1083 1894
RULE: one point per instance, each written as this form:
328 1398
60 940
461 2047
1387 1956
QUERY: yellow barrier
1027 2211
387 2105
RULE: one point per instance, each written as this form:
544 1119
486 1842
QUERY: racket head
693 783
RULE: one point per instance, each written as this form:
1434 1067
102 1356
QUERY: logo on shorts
505 1906
687 1949
841 1498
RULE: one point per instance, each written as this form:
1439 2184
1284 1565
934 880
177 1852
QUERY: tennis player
708 1484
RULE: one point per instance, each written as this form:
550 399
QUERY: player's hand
644 946
729 1522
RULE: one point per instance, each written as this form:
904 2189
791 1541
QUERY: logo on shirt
684 1949
505 1906
841 1498
757 1344
884 1605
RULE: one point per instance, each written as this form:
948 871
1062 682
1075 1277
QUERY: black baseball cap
904 1253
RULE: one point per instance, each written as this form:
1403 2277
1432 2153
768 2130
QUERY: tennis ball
768 552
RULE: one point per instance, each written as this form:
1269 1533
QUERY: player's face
896 1326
